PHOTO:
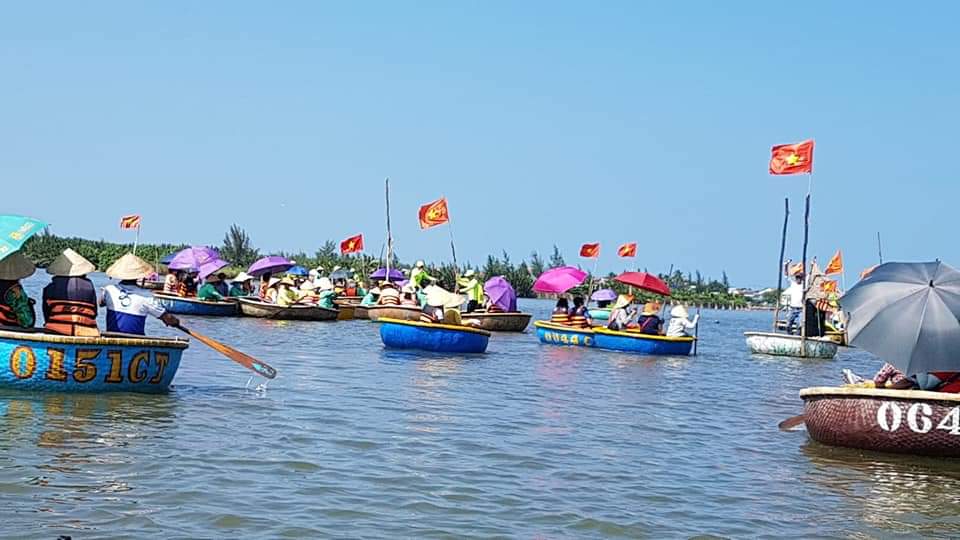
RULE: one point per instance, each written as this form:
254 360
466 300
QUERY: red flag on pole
590 251
354 244
130 222
628 250
433 214
835 266
792 158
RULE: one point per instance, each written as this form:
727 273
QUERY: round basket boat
38 361
264 310
500 322
403 313
635 342
400 334
560 334
192 306
360 312
788 345
899 421
599 314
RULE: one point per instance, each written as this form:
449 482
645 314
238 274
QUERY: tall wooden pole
783 249
803 317
389 234
879 248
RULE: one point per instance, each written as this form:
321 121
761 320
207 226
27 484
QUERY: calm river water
526 441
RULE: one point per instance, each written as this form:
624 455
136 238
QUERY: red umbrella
645 281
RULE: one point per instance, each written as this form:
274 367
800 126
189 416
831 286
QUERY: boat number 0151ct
890 417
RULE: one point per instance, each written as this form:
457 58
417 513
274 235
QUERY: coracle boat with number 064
37 361
193 306
297 312
433 337
788 345
611 340
898 421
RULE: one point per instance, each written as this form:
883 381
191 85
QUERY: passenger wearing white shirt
795 292
679 325
127 312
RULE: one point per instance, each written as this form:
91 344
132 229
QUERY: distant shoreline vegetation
688 288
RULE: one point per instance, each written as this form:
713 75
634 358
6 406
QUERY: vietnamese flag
792 158
590 251
835 266
433 214
130 222
828 286
354 244
628 250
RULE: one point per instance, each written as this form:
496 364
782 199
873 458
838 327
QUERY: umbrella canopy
298 271
645 281
15 230
270 265
210 267
906 313
342 273
381 273
501 293
604 295
559 280
166 259
193 258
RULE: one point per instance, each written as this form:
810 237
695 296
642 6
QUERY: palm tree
237 247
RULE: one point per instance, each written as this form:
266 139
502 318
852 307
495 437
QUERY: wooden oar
791 423
245 360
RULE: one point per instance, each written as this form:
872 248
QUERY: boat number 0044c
140 369
567 339
890 417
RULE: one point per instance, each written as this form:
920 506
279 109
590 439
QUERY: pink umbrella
559 280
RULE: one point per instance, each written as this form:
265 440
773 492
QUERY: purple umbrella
270 265
395 275
501 293
193 258
604 295
211 267
559 280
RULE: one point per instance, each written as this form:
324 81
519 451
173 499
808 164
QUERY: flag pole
879 248
806 237
136 241
783 249
453 249
389 235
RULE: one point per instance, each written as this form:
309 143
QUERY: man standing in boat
795 294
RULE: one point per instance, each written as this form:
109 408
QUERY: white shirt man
127 312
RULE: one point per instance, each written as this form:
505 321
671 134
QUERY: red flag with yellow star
354 244
628 250
792 158
590 251
435 213
835 266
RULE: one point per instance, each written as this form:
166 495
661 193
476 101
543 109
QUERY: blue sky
542 122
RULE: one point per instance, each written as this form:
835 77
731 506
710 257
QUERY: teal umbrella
15 230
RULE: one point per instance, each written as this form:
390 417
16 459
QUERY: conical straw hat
16 266
70 264
129 267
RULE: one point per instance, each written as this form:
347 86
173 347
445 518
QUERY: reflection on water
525 441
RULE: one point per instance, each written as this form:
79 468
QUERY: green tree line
237 247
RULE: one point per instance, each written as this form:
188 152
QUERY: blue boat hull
397 334
45 362
192 306
601 338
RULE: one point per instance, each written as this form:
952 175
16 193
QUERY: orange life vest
579 321
7 316
389 301
560 317
72 318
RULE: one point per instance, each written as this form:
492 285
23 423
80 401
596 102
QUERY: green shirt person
419 275
208 292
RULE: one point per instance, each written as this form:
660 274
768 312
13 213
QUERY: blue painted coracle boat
602 338
191 306
400 334
36 361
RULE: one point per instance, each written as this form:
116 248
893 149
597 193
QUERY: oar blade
790 423
247 361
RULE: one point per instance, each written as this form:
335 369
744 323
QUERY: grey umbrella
907 314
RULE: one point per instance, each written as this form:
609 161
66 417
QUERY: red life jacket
951 381
8 317
72 318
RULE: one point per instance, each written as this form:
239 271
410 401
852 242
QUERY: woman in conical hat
70 300
241 285
16 308
679 324
127 312
649 322
620 316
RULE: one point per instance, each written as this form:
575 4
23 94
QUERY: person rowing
127 312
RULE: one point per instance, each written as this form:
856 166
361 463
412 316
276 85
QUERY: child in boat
649 322
16 308
561 311
679 325
621 314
